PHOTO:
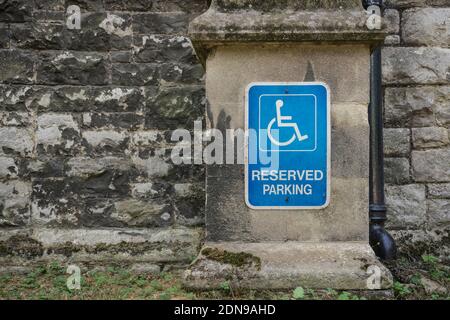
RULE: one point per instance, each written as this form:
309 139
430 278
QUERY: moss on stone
21 245
237 259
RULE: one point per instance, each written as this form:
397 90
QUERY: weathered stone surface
86 5
38 35
86 167
143 213
270 5
57 133
396 142
175 107
16 66
160 23
15 10
80 98
416 65
105 141
415 3
157 5
14 203
12 98
392 40
285 265
393 18
163 48
396 170
16 119
174 245
51 5
8 168
428 26
138 74
16 141
72 68
429 137
431 165
439 211
406 205
417 106
4 36
128 120
439 190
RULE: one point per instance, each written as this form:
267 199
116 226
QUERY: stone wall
85 120
416 79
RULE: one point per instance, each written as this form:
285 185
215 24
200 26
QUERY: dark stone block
157 5
4 36
15 10
43 167
13 97
175 107
87 5
83 99
134 74
158 48
197 6
164 23
182 73
49 5
121 56
38 35
73 68
101 32
129 120
16 66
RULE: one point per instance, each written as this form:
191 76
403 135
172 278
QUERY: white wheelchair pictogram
281 124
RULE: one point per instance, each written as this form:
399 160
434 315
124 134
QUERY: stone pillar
245 41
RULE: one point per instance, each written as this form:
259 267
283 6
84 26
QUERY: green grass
49 282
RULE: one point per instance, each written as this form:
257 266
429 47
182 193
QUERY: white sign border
327 201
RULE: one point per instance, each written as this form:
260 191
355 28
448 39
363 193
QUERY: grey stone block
416 65
429 137
138 74
15 10
17 66
439 190
417 106
396 142
66 67
431 165
439 211
161 23
8 168
16 141
15 203
396 170
406 206
285 265
428 26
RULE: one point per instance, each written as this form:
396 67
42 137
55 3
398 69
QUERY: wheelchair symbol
279 119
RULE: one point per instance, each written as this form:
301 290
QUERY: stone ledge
285 265
318 25
22 247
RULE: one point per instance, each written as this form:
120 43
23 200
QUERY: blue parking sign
288 146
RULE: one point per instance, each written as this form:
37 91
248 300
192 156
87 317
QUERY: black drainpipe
381 241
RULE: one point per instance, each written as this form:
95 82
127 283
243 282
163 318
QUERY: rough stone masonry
86 117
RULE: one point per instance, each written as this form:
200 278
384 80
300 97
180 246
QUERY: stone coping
221 26
271 5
